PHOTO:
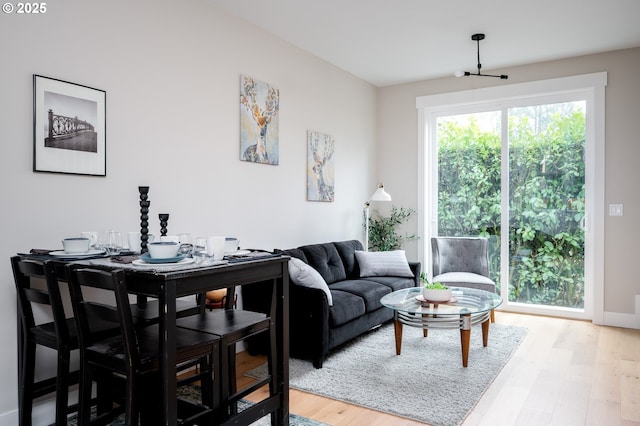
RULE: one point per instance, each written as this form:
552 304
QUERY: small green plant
424 279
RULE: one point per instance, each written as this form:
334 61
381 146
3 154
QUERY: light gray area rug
426 382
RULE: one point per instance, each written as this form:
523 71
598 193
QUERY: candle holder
144 217
164 220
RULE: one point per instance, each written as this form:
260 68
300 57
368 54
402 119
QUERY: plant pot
433 295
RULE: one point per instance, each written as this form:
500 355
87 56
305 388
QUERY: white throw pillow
304 275
383 264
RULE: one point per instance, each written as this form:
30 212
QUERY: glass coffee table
467 307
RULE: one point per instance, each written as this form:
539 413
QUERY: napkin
124 258
41 252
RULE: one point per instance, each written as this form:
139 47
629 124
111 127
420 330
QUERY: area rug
426 382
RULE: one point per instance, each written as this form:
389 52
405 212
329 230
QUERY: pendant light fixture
477 38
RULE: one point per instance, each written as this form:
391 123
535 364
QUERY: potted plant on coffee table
434 292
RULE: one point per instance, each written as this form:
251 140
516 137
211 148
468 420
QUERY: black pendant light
477 38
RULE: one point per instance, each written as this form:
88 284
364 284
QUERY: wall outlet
616 210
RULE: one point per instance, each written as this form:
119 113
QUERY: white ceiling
388 42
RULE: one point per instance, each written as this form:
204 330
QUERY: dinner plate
146 258
238 253
90 253
184 261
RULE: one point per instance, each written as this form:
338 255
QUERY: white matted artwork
259 106
320 167
69 128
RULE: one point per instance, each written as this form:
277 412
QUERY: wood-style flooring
564 373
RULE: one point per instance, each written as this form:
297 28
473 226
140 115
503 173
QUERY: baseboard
616 319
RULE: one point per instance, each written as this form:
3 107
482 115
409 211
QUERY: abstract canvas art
320 167
259 106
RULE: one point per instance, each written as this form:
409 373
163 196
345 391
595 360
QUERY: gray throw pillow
304 275
383 264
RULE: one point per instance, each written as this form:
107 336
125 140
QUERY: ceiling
388 42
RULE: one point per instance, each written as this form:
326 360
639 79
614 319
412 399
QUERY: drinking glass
200 250
186 244
111 242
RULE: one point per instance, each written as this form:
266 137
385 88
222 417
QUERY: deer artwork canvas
320 167
259 106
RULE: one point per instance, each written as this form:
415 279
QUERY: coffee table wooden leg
397 327
425 330
485 332
465 337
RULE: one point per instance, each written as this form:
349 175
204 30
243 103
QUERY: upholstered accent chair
462 262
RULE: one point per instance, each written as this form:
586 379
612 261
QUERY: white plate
62 253
238 253
185 261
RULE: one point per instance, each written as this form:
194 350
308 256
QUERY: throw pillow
383 264
304 275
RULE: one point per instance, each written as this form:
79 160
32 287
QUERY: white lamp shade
380 194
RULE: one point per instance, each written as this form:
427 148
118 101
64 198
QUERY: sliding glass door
516 175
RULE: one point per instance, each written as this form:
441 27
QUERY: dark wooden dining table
169 283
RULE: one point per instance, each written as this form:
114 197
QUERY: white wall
171 73
398 136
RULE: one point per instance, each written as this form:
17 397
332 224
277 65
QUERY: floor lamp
379 195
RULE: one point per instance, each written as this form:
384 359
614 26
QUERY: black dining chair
134 355
59 334
233 326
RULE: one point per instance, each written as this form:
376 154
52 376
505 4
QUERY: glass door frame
589 87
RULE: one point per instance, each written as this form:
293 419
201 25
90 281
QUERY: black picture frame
69 128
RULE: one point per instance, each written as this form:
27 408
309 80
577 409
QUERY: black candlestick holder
144 217
164 220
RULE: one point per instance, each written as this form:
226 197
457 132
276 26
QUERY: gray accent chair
462 262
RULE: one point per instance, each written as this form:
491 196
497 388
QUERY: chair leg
62 386
84 395
26 387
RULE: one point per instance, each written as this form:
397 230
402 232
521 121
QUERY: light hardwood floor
564 373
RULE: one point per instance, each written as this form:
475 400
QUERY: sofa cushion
394 283
296 252
369 291
347 250
304 275
325 259
383 264
346 307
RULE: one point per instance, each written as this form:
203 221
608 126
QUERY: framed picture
259 118
320 167
69 128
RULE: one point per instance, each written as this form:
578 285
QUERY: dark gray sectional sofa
315 326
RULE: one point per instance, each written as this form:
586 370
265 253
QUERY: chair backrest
460 254
23 271
114 281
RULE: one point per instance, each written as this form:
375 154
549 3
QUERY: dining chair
233 326
59 334
462 262
135 355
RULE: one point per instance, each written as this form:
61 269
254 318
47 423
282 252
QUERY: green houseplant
434 291
383 235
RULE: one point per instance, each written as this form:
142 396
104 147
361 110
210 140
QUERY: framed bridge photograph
69 134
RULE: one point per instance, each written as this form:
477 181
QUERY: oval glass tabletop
463 301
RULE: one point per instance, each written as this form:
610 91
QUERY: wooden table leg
485 332
397 327
465 337
425 330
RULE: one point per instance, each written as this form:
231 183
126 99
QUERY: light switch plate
616 210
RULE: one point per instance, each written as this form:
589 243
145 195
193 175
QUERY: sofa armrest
309 324
416 268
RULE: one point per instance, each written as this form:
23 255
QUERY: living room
172 77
